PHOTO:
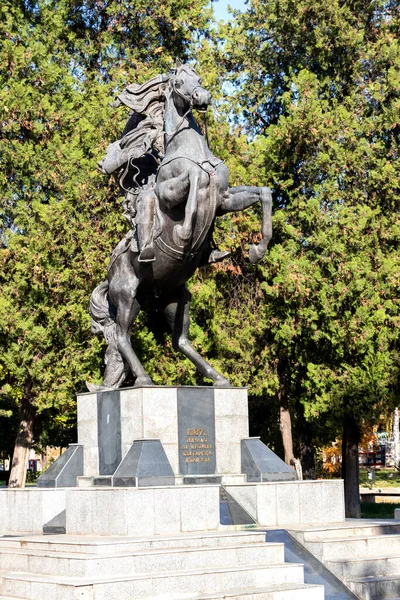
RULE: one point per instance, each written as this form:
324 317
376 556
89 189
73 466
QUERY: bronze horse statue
175 205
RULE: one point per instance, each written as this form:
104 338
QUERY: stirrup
147 255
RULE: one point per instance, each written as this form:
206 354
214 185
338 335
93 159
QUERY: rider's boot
144 226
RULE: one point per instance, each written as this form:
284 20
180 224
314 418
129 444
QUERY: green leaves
61 64
313 86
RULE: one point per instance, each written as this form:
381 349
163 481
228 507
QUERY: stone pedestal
200 428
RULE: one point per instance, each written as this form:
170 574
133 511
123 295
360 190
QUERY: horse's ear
178 63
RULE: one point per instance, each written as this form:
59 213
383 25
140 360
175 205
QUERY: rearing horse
190 191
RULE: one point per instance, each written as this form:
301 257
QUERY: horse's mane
145 127
147 97
144 131
144 98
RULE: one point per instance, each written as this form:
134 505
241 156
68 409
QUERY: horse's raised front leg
123 295
240 198
182 233
177 313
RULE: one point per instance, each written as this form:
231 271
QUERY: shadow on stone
231 513
57 524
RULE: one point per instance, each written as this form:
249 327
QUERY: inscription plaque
109 431
196 431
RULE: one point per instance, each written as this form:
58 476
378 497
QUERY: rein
188 99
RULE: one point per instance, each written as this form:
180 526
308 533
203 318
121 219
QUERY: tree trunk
350 467
306 445
285 425
285 421
23 440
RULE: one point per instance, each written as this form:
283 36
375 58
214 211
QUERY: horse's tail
103 313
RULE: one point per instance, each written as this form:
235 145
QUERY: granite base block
30 509
142 511
273 504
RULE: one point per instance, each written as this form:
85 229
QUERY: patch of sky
221 8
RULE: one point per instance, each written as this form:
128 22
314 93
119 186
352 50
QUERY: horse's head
187 89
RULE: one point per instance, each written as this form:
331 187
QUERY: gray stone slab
142 481
201 480
259 463
196 431
103 481
65 470
145 464
109 431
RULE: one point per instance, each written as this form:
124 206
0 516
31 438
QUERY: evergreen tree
318 94
62 63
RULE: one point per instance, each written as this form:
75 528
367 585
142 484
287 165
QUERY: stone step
87 565
120 545
375 588
146 586
364 567
277 592
351 528
357 547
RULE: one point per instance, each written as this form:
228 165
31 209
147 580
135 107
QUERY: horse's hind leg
123 296
177 313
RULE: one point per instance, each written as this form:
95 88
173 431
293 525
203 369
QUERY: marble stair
228 565
364 554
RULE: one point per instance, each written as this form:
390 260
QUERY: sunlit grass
384 478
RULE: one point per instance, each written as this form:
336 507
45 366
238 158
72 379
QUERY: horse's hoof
222 382
142 381
255 254
93 387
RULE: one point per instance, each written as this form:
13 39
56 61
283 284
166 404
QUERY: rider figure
135 159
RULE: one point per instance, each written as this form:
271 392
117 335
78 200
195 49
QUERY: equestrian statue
174 190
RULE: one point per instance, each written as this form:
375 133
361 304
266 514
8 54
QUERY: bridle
188 98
